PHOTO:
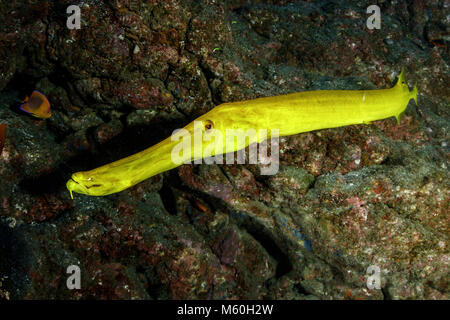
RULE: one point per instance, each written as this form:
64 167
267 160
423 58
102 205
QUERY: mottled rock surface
343 200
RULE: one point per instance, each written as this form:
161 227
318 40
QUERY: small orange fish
2 136
437 43
37 105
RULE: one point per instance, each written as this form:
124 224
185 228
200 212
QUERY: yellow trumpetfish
290 114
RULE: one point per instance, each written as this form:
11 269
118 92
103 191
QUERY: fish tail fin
413 93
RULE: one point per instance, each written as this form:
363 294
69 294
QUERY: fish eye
208 125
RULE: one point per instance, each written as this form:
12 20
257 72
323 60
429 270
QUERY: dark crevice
386 294
300 289
253 228
224 172
284 266
256 230
168 199
48 183
209 76
15 260
20 86
153 286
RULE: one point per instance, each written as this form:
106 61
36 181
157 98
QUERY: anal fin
399 117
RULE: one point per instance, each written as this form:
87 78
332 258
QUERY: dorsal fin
401 79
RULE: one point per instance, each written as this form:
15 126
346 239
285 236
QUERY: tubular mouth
83 188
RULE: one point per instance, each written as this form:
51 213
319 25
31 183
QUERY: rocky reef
343 200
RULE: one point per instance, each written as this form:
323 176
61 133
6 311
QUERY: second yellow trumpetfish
290 114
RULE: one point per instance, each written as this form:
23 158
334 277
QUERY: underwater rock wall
344 199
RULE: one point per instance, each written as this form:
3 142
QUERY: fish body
290 114
37 105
